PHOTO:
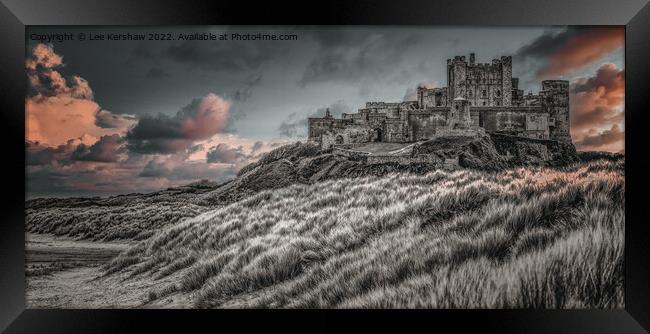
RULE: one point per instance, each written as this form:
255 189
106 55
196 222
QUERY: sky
107 117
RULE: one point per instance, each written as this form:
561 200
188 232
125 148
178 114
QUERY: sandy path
79 284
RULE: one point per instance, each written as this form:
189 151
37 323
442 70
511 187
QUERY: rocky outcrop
307 163
520 151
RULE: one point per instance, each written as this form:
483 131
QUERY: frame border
15 15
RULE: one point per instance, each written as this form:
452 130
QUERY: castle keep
479 97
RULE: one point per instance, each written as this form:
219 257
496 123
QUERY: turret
555 101
456 76
506 82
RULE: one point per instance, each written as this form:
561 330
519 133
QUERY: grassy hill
520 238
138 216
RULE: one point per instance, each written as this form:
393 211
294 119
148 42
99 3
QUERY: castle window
498 93
484 93
483 102
471 93
498 103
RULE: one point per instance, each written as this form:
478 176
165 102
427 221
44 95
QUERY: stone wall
423 125
406 160
347 135
555 101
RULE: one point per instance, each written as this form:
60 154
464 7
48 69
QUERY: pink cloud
211 117
59 109
597 109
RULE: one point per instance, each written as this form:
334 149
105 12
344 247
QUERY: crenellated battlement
478 97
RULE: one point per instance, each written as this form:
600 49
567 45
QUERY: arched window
498 93
484 93
339 139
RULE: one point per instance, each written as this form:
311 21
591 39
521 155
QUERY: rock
307 163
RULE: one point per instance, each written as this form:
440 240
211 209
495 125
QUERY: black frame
15 15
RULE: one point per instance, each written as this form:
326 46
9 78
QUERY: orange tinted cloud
582 49
58 109
611 140
597 110
55 120
211 117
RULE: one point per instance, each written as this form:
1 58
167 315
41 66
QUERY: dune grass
136 221
523 238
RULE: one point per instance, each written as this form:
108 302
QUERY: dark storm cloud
571 49
296 125
155 168
224 56
352 56
546 44
108 120
165 134
244 92
43 67
38 154
223 153
108 148
156 73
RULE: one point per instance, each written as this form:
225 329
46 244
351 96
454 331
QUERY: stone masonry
479 97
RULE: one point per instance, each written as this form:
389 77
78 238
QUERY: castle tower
460 117
555 101
506 81
420 94
456 77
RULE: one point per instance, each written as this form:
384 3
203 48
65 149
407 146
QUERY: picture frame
16 15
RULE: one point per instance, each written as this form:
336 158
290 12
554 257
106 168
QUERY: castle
479 97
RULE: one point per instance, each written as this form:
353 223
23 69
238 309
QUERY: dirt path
65 273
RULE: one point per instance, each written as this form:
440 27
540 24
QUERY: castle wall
479 97
530 122
429 98
555 101
394 131
318 126
423 124
350 134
